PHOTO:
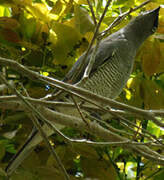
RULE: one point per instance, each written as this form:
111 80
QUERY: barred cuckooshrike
111 69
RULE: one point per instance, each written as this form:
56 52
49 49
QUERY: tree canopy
40 40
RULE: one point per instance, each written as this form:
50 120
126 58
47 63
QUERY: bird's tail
26 149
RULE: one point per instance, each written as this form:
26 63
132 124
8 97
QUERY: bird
115 57
111 69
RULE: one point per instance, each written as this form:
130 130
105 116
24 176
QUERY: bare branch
99 131
93 14
86 95
78 108
94 128
121 17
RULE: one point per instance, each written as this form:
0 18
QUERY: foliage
48 36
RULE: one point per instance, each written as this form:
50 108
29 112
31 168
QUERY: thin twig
92 12
78 108
6 99
141 5
115 114
120 18
108 126
134 125
99 131
13 103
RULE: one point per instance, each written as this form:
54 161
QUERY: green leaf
153 129
28 26
122 3
4 11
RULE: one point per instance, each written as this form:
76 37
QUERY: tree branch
120 18
86 95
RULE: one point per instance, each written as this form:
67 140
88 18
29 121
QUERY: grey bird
110 72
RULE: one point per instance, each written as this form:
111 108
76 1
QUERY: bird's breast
109 79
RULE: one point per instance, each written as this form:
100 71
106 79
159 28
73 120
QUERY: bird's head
144 25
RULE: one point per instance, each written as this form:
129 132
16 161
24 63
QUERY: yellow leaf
161 65
151 56
161 21
83 46
60 8
4 11
128 94
83 21
70 22
120 165
153 95
44 73
81 2
23 2
67 38
89 36
40 11
57 8
153 5
134 95
129 82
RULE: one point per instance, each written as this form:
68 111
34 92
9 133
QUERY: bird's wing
104 53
